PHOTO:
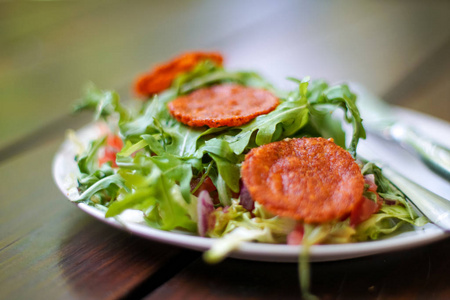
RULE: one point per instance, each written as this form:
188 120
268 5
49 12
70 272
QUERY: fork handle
432 206
437 157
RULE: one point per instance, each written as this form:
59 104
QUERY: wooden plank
49 249
419 273
49 132
110 45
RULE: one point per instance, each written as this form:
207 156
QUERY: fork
431 205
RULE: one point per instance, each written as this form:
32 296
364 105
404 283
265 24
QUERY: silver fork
432 206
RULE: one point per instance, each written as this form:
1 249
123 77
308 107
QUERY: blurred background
48 50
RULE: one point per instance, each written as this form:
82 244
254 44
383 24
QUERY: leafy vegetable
162 158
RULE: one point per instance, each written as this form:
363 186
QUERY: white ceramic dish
64 167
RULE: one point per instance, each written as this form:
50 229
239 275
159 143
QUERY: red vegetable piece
113 145
366 207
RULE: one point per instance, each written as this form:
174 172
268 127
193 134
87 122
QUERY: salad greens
163 163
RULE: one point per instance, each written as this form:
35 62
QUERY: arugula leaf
200 78
89 179
105 103
154 195
87 162
144 123
225 160
282 122
178 170
323 123
340 96
110 182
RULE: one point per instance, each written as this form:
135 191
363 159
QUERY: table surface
49 249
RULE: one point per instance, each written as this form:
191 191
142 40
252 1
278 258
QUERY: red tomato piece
363 210
115 142
295 237
207 185
367 207
113 145
109 154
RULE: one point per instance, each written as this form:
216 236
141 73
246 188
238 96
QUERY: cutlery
432 206
378 118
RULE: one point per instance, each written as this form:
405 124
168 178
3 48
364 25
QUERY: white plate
64 168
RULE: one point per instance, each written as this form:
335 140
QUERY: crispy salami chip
222 105
309 179
161 76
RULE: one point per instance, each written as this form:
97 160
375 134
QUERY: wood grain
419 273
49 249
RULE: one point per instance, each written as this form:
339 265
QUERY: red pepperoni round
308 179
162 76
222 105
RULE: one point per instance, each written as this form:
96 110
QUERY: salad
226 155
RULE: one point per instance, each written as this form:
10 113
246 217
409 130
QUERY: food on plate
222 105
226 155
308 179
162 75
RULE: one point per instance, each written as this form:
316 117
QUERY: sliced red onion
390 202
370 180
205 207
245 199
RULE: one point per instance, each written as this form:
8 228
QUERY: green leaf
340 95
289 115
155 191
142 199
178 170
105 103
103 184
230 172
325 125
173 215
88 162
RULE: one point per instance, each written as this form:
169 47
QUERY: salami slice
162 76
222 105
308 179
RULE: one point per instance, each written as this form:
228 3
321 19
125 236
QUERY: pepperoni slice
309 179
161 76
222 105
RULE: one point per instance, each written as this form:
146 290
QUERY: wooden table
51 250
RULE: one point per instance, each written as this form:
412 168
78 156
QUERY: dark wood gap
10 244
46 133
163 275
